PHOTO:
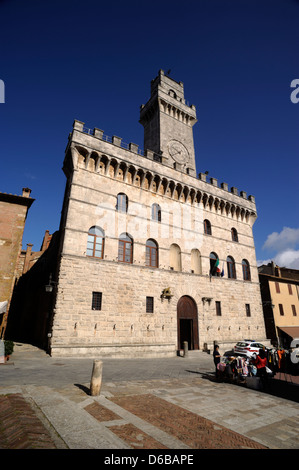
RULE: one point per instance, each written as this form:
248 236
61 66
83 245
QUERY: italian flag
216 268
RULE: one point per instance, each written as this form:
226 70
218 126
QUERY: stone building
13 214
151 254
280 296
28 258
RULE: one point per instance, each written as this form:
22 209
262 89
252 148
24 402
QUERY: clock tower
168 124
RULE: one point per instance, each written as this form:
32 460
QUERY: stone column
96 378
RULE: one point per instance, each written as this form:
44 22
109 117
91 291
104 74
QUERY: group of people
258 360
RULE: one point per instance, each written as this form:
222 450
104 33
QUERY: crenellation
148 154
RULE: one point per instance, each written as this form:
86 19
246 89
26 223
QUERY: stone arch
131 174
187 321
103 164
195 261
175 260
82 156
147 180
112 167
121 172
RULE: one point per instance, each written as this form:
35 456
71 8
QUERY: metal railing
109 139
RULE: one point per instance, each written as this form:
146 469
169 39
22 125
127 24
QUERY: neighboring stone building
144 241
13 214
28 258
31 304
280 296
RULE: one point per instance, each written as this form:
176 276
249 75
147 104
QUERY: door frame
187 310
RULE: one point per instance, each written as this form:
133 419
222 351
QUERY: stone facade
156 288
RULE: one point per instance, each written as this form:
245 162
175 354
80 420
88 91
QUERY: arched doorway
187 323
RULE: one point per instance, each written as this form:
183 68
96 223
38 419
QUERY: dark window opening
151 254
97 301
277 287
247 307
150 305
246 270
234 235
231 268
95 242
207 227
122 202
294 310
125 249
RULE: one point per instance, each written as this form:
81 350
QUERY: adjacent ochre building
152 254
280 296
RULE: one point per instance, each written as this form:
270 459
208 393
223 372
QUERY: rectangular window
281 309
218 308
247 307
294 310
277 287
97 301
290 289
150 305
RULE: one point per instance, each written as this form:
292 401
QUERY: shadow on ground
278 388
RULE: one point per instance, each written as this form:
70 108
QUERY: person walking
216 357
261 362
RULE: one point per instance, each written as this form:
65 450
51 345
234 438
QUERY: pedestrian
216 357
261 362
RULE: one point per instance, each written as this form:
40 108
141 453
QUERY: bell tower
168 124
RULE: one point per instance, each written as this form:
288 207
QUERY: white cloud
260 262
287 238
288 259
284 244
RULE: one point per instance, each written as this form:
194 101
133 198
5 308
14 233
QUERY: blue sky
93 61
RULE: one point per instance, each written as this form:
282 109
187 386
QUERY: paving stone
193 430
20 428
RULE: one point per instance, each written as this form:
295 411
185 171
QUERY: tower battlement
90 138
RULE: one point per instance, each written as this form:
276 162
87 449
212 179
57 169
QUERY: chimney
26 192
26 266
46 241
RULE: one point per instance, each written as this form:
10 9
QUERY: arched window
151 254
95 242
207 227
156 212
125 248
214 265
246 270
234 235
175 257
231 268
122 202
195 261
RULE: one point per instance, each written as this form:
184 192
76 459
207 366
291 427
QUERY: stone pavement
170 403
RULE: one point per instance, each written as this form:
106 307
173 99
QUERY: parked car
247 347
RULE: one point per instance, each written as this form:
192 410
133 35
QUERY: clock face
178 151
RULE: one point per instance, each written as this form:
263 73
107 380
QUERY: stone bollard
96 378
185 348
